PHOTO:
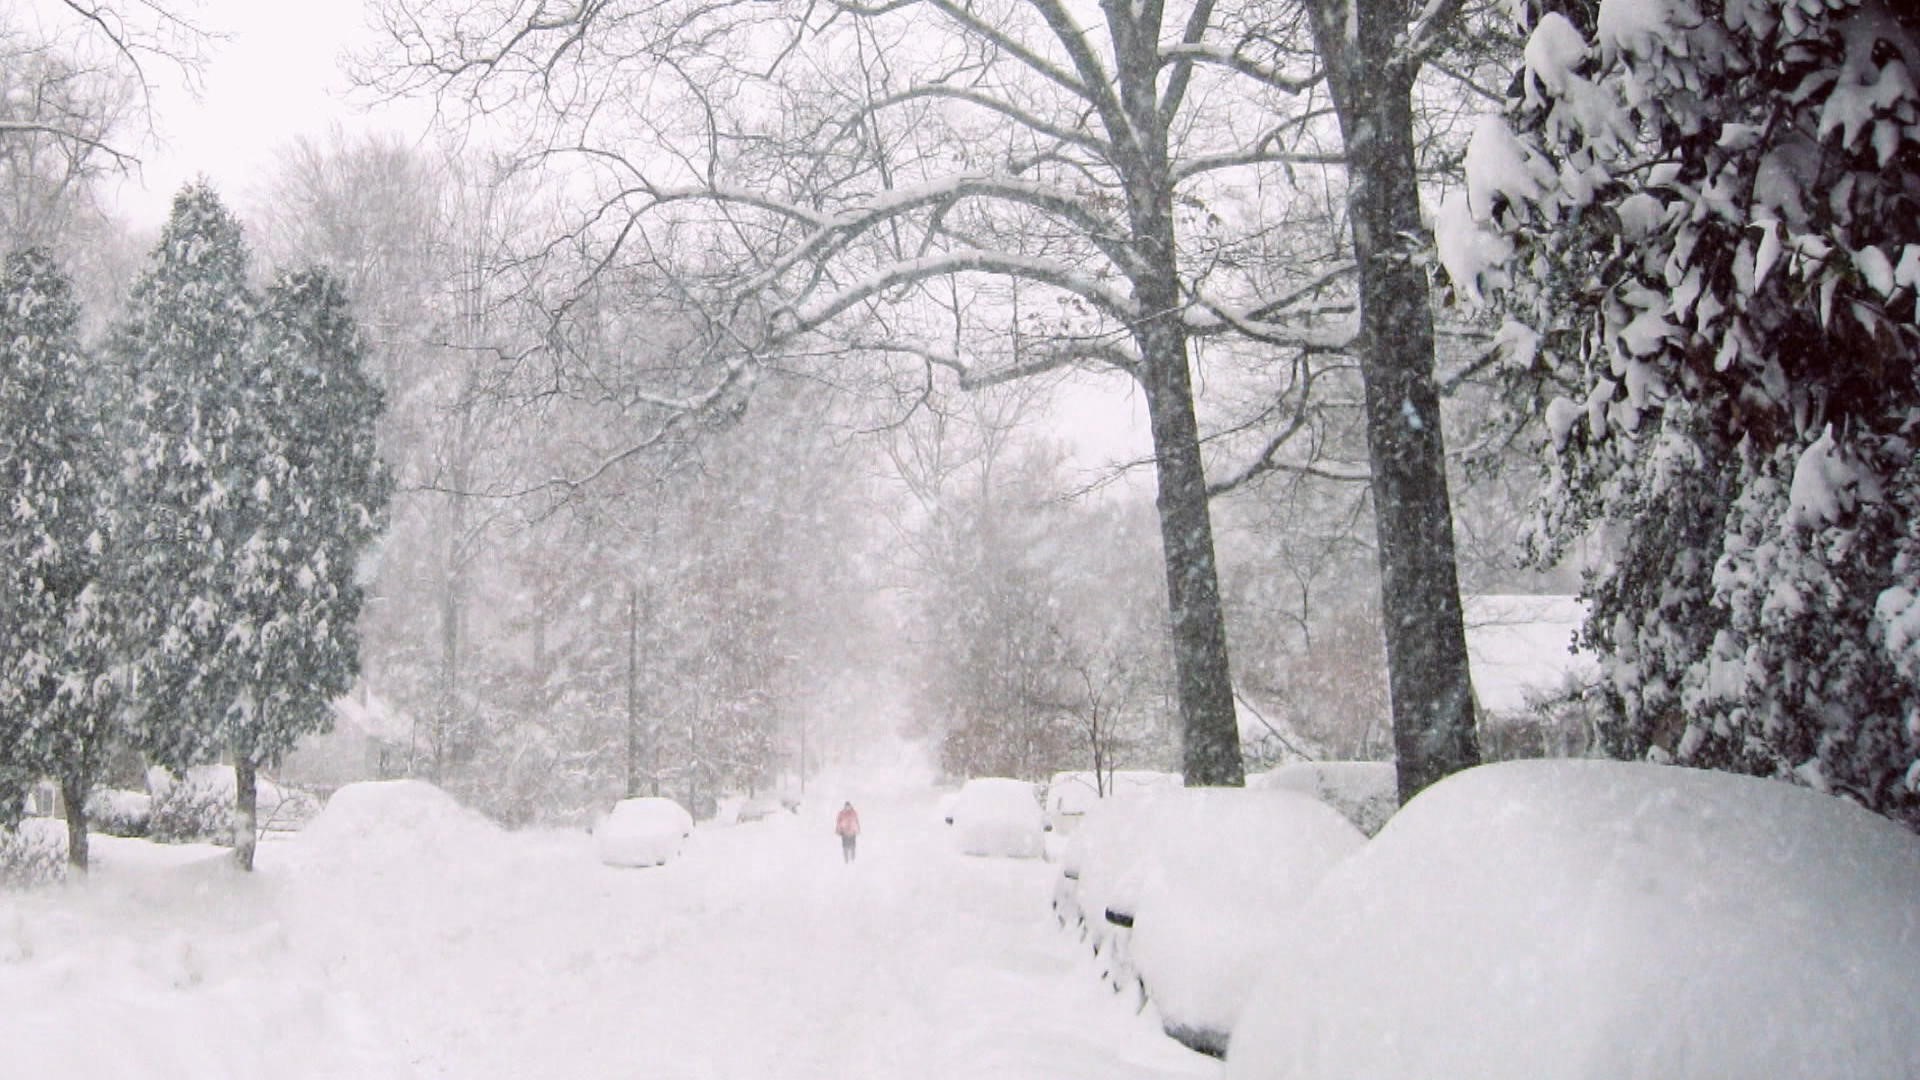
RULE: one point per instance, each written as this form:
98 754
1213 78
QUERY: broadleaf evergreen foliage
1712 223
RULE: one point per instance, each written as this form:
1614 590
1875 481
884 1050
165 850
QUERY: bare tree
992 189
113 45
56 117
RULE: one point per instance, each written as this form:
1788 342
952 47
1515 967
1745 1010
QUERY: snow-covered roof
370 715
1520 647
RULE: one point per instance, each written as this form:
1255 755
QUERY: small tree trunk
1203 677
73 792
246 801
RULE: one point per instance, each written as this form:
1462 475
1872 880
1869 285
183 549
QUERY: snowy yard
439 946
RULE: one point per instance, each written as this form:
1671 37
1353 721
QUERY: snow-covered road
441 947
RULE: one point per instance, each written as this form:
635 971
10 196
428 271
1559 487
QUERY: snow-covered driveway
440 947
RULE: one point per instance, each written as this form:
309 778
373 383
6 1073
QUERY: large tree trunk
246 804
1433 716
73 792
1203 678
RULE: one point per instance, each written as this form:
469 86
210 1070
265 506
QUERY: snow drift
1553 920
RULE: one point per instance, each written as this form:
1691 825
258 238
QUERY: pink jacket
848 823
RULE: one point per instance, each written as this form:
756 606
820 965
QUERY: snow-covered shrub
1363 791
119 813
196 808
1701 222
33 853
16 786
1564 920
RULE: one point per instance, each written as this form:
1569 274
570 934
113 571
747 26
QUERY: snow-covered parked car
1219 877
1070 795
642 832
998 816
1094 858
1554 920
1367 792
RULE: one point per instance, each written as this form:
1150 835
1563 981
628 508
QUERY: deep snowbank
1579 919
169 963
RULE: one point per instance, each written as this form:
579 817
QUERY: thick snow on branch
1035 359
1210 315
1005 264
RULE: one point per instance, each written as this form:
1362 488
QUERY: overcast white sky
274 75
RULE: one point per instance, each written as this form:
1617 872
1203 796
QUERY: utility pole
633 690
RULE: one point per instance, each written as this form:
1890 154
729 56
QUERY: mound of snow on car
394 821
1554 920
642 832
998 816
1226 871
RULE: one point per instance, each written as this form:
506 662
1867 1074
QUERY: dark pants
846 848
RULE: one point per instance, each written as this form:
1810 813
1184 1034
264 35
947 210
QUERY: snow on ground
402 937
1564 920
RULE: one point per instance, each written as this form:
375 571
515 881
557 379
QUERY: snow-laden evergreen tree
1703 219
190 473
59 647
317 500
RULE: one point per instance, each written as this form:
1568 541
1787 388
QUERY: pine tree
189 476
59 649
318 499
1705 224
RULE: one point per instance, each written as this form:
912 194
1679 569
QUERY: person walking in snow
847 825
